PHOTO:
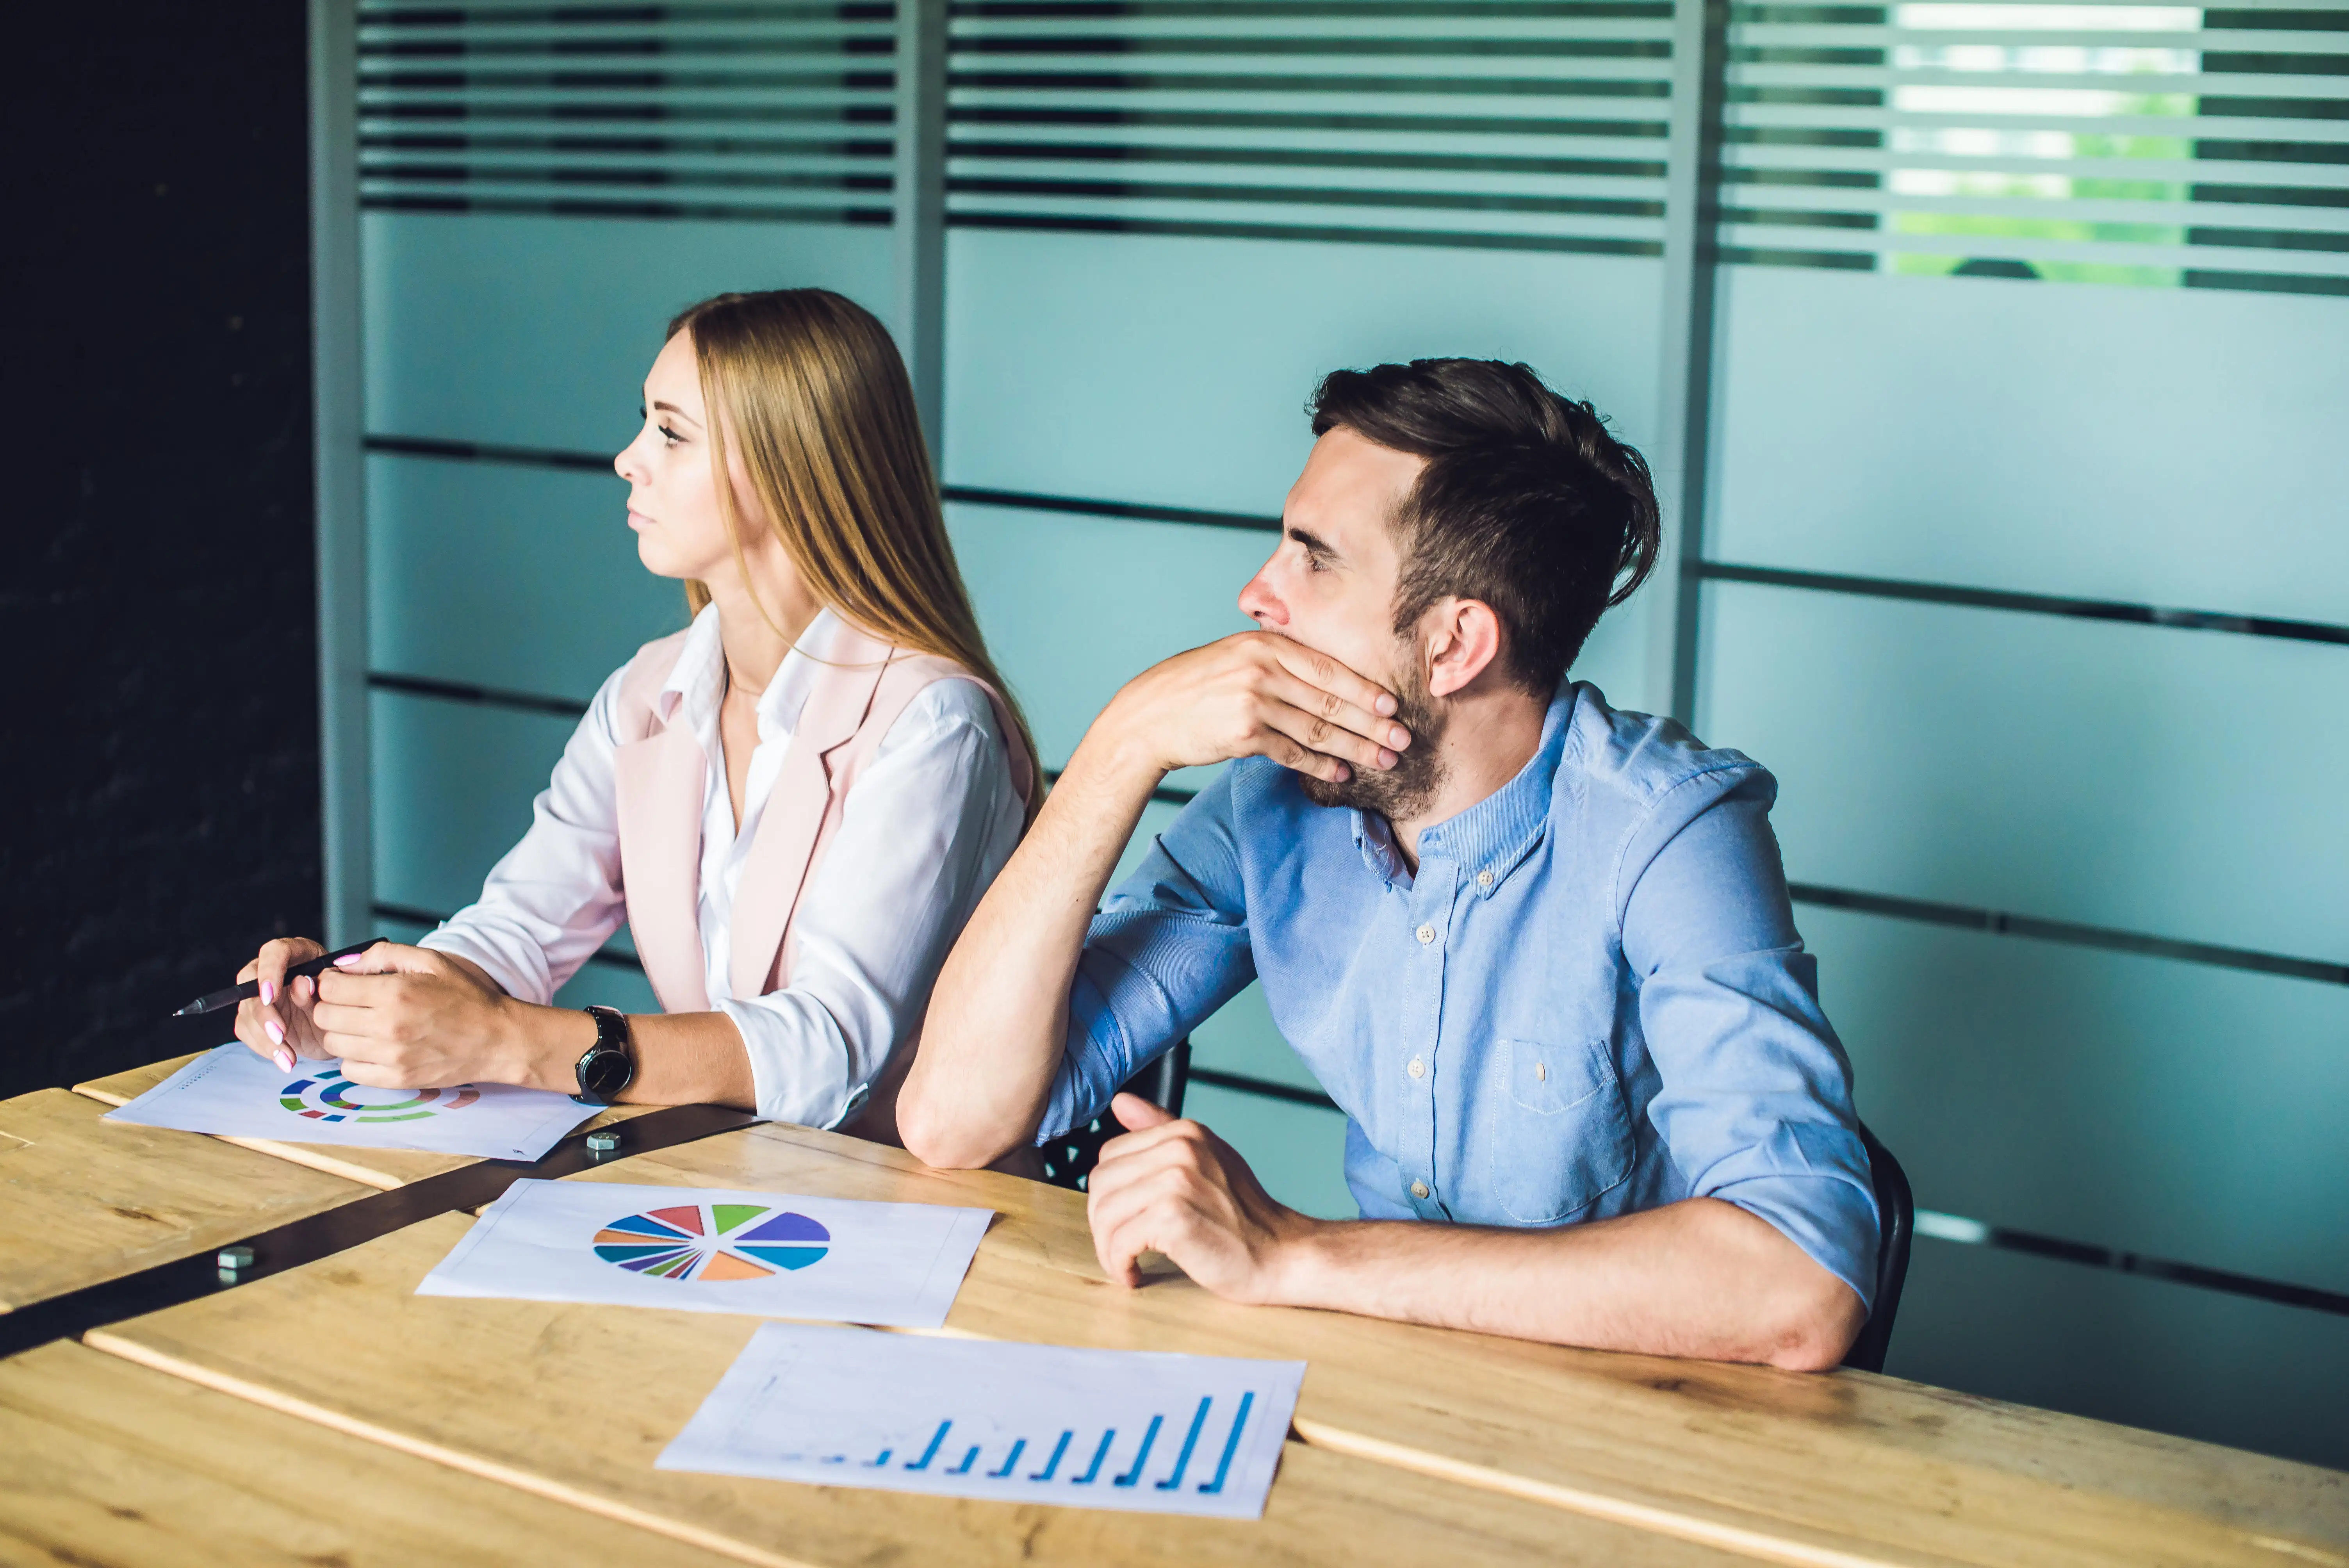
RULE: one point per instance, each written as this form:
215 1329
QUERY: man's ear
1463 638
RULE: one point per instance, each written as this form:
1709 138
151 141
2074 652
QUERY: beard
1396 793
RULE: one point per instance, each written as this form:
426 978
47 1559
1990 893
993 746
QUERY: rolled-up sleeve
554 898
1755 1100
1169 946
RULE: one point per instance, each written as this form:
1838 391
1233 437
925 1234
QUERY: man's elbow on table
1812 1320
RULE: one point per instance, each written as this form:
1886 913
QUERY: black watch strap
609 1066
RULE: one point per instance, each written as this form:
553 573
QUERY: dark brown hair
1527 504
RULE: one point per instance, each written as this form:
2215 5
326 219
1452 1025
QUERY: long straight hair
812 389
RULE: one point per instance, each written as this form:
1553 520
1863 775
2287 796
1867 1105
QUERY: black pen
252 988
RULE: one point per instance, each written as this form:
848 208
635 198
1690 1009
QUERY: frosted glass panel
2184 784
2220 1368
519 579
453 787
537 332
1176 370
2178 446
1074 607
2100 1096
1297 1151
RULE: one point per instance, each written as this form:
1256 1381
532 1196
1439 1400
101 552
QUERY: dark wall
161 802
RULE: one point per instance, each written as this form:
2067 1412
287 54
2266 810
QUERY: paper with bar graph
1138 1429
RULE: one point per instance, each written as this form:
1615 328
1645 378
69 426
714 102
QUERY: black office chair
1896 1215
1070 1158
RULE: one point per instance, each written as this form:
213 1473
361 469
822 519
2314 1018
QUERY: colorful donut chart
326 1097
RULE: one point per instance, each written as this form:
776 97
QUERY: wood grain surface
1829 1468
84 1201
103 1461
573 1403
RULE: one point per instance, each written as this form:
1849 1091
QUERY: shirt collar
699 679
1498 831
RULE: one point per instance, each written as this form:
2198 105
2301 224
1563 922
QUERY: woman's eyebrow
679 412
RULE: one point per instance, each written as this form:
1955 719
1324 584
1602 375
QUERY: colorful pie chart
712 1241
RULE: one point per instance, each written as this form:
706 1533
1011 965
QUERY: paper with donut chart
233 1093
773 1254
1145 1430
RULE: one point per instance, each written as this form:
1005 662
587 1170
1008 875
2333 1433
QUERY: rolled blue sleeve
1169 946
1754 1105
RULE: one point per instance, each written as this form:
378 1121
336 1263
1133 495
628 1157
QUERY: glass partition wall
1993 358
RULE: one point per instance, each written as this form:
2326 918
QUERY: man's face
1331 586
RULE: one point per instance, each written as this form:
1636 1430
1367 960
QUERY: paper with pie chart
773 1254
233 1093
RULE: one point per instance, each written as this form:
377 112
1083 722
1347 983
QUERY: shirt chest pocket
1558 1136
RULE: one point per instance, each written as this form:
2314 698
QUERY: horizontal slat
2177 783
1974 432
450 353
453 787
1172 370
517 579
2146 1353
2176 1110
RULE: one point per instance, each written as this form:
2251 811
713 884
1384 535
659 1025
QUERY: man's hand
1174 1187
407 1017
1255 693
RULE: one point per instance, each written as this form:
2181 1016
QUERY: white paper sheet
1143 1431
231 1091
773 1253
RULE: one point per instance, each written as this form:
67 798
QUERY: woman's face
672 493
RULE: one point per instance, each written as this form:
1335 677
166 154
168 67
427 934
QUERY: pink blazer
660 768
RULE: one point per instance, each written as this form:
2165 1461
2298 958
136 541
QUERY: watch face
604 1073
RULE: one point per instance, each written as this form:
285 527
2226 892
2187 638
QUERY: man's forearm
999 1015
1698 1278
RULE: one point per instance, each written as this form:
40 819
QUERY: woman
795 802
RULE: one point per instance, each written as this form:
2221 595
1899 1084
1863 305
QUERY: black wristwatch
610 1065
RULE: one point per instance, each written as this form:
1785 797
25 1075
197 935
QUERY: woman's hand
276 1023
407 1017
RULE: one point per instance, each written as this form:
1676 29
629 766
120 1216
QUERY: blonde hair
811 387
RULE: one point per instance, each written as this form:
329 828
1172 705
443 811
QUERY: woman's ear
1464 638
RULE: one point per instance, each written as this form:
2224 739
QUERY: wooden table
1473 1446
573 1403
383 1169
102 1462
84 1201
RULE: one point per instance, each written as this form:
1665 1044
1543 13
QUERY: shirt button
1484 879
1418 1069
1426 934
1419 1189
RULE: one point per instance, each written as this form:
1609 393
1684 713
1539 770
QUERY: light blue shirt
1590 1000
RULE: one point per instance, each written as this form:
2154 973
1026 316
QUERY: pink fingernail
347 960
274 1032
285 1061
268 993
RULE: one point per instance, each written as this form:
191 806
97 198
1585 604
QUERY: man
1539 952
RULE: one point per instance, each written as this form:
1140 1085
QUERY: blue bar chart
1136 1431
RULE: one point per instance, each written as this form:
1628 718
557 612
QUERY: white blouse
932 819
